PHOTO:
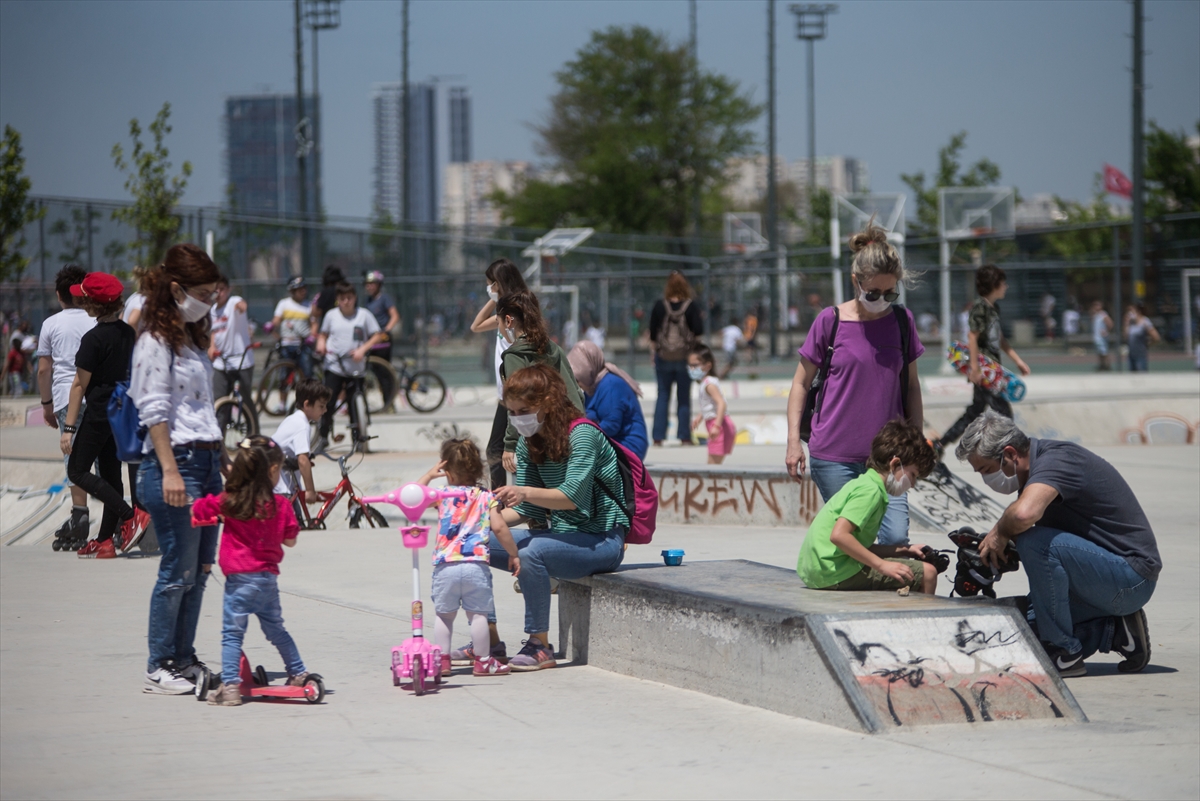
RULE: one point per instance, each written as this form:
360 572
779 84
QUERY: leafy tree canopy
155 193
984 172
635 125
1172 172
16 209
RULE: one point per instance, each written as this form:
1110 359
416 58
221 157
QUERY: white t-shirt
731 335
502 345
136 302
231 336
708 406
1099 327
292 437
294 321
176 391
60 341
344 335
595 335
1070 322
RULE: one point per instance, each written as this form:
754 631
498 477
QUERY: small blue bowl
673 557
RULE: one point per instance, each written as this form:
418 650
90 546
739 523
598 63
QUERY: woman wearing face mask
568 490
171 385
864 387
612 397
503 278
520 320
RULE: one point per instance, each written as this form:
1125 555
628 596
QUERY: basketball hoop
735 248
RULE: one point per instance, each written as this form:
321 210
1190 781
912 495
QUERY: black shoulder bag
812 404
902 320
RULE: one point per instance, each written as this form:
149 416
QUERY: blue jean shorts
465 584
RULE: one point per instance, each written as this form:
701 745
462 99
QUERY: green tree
634 127
16 209
385 246
155 193
74 234
1172 172
984 172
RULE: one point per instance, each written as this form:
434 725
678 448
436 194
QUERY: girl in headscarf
612 397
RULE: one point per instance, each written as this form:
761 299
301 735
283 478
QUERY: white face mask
697 373
526 424
193 310
897 486
998 481
492 293
873 306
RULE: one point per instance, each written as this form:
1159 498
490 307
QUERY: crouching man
1088 551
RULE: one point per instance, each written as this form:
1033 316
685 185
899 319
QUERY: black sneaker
1132 641
1069 665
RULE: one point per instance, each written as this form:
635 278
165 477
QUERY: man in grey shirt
1088 551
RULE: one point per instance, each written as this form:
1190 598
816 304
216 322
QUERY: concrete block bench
867 661
733 496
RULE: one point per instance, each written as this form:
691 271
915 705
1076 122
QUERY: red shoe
106 550
89 549
132 530
489 666
447 667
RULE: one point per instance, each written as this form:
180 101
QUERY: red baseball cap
100 287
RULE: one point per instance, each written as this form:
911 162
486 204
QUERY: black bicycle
236 413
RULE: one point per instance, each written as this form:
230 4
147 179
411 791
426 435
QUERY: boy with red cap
102 361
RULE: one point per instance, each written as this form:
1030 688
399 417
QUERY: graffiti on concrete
1161 428
707 497
943 501
941 670
437 433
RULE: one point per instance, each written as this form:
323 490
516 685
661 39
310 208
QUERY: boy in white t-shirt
347 336
293 324
230 351
312 398
731 337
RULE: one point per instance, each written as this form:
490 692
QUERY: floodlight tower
303 140
811 26
319 15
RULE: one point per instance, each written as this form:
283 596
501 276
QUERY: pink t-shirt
250 546
863 389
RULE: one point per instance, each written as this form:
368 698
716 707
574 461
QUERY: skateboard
997 378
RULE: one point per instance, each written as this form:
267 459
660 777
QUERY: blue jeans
832 476
254 594
1077 589
301 355
562 554
673 374
179 590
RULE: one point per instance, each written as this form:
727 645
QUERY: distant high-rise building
389 143
748 177
261 169
467 199
460 125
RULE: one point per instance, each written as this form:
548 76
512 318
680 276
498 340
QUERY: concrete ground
75 724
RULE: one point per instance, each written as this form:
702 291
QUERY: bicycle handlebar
413 499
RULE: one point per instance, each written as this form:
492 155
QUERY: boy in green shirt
839 551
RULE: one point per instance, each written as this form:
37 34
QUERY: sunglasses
873 295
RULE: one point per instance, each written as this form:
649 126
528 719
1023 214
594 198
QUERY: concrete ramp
871 662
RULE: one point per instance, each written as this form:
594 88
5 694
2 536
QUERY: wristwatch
69 429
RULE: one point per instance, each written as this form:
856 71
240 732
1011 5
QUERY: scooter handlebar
413 499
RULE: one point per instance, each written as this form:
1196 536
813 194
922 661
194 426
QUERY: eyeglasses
873 295
211 297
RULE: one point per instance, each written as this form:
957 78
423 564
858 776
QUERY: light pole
303 140
811 26
1138 243
319 15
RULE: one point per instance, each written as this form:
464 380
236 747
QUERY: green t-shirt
984 322
592 459
861 501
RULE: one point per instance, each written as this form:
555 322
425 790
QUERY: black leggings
94 444
495 447
980 403
336 384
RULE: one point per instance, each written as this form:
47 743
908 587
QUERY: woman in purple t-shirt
863 389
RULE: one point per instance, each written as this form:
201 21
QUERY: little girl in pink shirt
258 523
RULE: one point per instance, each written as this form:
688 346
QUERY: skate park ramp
867 661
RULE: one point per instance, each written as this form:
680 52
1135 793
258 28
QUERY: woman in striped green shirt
576 529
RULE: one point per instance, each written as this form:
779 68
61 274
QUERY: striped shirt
592 459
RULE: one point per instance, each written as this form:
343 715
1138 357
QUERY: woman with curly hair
570 493
171 385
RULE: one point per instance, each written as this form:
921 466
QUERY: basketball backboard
854 211
743 233
558 242
968 212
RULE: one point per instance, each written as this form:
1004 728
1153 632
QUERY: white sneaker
165 681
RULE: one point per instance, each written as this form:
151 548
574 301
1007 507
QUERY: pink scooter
416 660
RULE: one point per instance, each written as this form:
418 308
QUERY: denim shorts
465 584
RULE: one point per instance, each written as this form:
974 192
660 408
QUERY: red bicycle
358 512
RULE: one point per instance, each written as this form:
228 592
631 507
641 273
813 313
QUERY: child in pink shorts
721 431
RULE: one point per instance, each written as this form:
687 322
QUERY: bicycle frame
330 498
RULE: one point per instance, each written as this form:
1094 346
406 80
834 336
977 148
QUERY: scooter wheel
316 685
395 678
202 684
260 676
418 675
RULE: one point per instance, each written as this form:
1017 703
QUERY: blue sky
1043 88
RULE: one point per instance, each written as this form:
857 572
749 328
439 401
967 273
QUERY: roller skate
73 534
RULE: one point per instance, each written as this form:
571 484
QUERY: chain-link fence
435 276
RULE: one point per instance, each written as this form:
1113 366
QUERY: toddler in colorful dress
721 430
461 575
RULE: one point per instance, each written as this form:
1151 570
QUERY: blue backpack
128 431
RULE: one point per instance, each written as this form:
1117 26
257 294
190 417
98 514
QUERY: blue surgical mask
697 373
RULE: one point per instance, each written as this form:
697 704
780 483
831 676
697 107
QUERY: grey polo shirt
1094 503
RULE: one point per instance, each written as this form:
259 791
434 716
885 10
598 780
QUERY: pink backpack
638 486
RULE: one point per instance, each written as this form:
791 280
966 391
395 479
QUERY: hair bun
870 235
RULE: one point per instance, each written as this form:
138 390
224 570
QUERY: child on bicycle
347 336
839 551
257 524
702 368
461 575
312 398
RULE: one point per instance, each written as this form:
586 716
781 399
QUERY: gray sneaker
533 656
226 695
166 681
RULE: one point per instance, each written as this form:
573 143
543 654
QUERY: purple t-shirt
863 389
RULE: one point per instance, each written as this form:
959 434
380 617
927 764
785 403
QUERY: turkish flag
1115 182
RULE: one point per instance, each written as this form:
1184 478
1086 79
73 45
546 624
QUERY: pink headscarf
588 365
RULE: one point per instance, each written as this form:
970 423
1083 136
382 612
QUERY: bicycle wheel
238 421
361 421
425 391
277 389
379 370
